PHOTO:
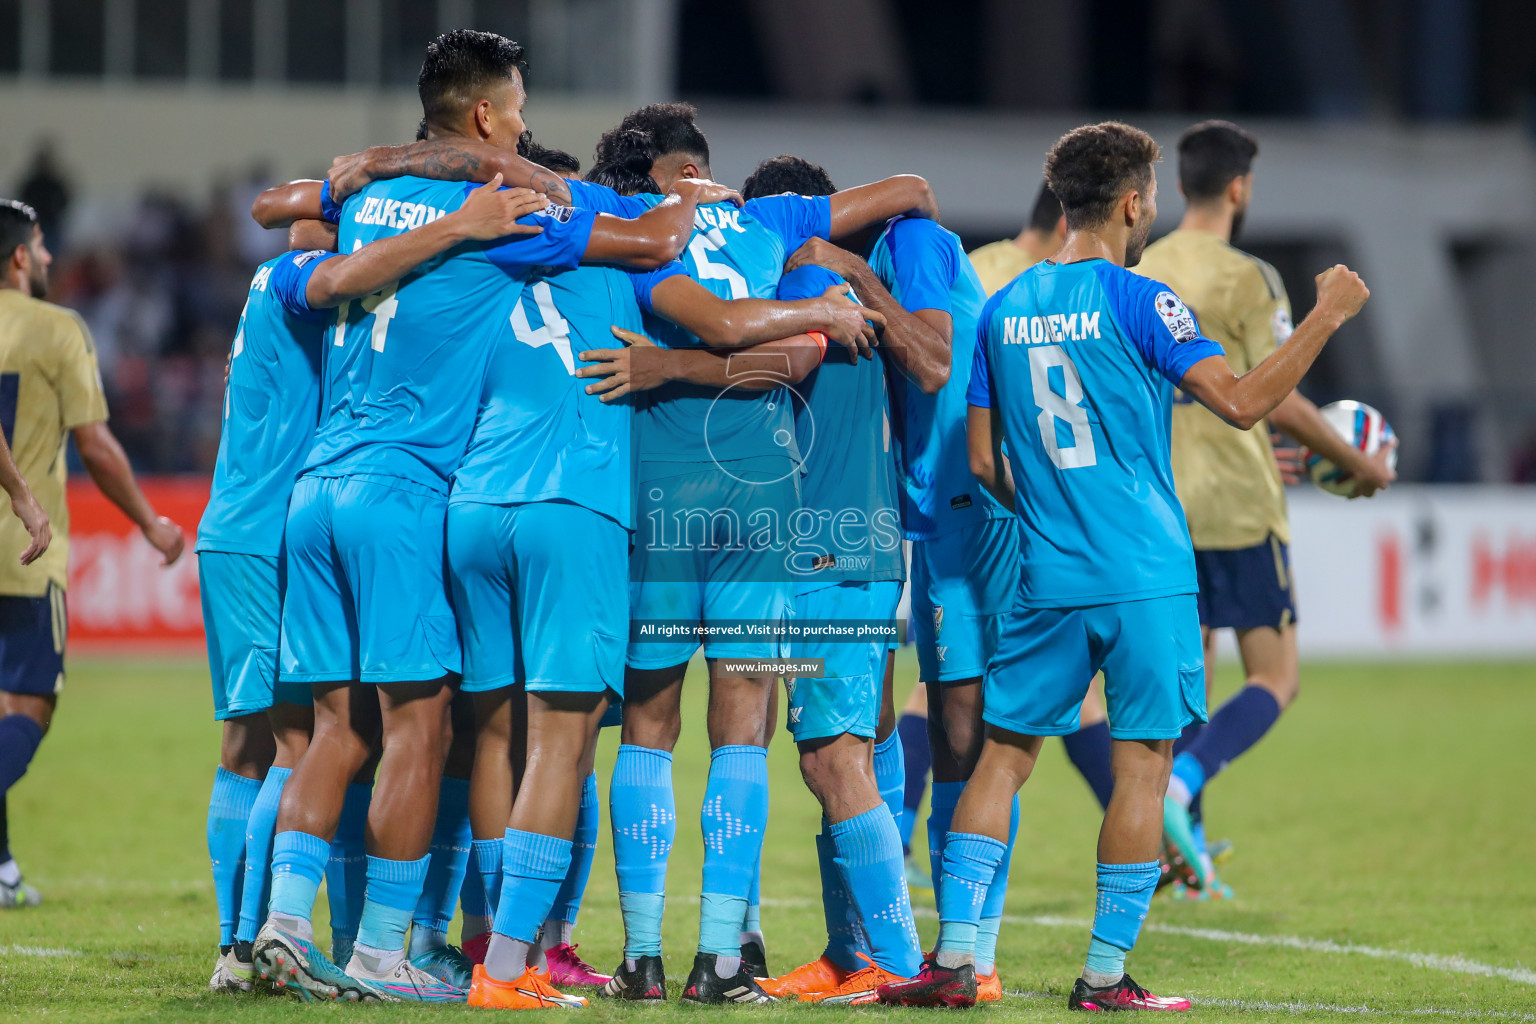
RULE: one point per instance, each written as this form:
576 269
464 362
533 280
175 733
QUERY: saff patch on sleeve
1179 321
556 212
1280 323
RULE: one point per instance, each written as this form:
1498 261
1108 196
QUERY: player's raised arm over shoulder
658 235
1245 400
281 205
909 195
642 365
488 213
734 323
446 159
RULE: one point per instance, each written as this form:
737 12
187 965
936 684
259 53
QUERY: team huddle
504 446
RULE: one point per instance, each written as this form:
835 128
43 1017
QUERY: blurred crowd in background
161 283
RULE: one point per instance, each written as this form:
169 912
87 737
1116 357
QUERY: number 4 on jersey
556 331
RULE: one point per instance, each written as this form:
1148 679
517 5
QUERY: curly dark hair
787 174
627 167
1091 167
670 126
459 66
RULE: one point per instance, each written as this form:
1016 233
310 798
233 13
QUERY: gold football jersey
1227 478
49 384
997 263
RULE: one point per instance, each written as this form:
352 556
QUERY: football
1360 425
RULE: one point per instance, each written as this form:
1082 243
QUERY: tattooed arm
446 159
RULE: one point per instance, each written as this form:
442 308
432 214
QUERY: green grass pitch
1384 863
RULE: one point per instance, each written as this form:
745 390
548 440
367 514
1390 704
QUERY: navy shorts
1246 588
32 631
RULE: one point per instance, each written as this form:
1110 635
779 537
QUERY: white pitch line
1430 961
37 951
1290 1006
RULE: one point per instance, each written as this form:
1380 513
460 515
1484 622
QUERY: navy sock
917 759
1088 749
19 737
1239 724
5 831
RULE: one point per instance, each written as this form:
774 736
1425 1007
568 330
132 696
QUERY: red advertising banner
119 594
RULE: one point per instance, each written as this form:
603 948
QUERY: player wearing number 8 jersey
1076 364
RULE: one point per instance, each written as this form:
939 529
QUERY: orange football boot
532 991
818 976
858 987
989 987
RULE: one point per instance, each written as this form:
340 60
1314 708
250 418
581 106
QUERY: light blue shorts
242 619
366 599
963 583
846 699
711 548
1149 651
542 596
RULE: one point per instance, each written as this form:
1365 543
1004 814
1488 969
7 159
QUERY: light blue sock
873 869
583 849
346 873
643 813
1189 778
394 889
753 923
1125 893
970 864
891 776
733 818
488 867
229 809
532 866
256 887
449 855
997 897
298 864
473 902
844 941
941 811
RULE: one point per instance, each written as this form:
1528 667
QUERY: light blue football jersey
539 435
924 267
271 407
738 253
850 526
1082 360
405 366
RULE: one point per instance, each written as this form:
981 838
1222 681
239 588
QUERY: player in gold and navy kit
1227 479
50 390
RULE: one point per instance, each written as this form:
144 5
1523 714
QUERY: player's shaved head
1091 168
787 174
463 67
673 134
1211 155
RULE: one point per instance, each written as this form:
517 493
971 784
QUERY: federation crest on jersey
938 620
1179 321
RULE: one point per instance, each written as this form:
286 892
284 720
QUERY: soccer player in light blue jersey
1075 369
849 569
963 543
367 607
271 407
